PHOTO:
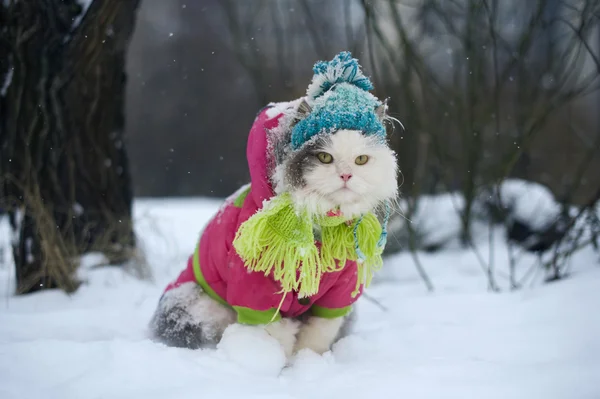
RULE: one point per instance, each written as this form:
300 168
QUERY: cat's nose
346 176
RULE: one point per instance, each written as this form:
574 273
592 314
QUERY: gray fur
188 318
381 111
165 328
281 147
304 109
304 160
301 113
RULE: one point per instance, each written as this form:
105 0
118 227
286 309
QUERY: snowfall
459 341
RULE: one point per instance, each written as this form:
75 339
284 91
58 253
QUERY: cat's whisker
403 179
397 209
391 118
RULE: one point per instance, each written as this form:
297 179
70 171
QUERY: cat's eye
325 157
361 159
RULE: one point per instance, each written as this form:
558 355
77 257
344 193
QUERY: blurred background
498 103
485 90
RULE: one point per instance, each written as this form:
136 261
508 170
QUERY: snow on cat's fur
356 189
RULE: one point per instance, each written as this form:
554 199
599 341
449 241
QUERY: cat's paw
253 348
284 331
315 346
318 334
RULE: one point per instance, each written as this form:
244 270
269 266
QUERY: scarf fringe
279 240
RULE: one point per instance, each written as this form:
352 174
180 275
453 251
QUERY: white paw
318 334
285 332
253 348
317 347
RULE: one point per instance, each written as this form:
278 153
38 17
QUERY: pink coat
216 266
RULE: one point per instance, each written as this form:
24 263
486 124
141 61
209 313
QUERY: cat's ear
302 112
381 111
303 109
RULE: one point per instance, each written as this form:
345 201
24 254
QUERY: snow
7 81
460 341
529 202
78 209
253 349
437 218
85 5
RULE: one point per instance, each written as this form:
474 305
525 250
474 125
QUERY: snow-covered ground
460 341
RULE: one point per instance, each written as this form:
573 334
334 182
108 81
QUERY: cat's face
345 169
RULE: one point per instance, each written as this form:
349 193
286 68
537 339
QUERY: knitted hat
340 99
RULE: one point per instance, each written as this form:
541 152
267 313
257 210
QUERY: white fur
370 185
318 334
278 179
284 331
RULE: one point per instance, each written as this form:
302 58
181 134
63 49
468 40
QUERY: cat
347 170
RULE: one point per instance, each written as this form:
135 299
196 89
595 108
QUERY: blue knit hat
340 99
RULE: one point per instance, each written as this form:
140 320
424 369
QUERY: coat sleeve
256 298
186 276
338 300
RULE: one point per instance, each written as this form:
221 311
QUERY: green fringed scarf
280 239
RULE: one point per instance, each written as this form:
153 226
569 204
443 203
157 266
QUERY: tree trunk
64 169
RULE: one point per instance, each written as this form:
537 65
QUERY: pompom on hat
338 98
